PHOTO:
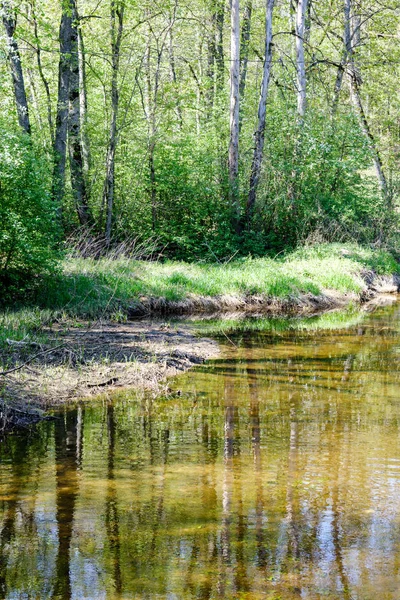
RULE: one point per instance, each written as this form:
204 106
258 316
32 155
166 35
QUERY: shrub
28 228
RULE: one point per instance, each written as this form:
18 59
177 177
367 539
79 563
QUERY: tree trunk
41 73
351 36
117 26
64 70
244 46
234 112
78 182
83 110
174 78
356 97
301 11
14 57
211 52
262 105
219 42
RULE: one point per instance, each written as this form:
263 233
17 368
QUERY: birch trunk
262 106
61 132
301 11
234 111
14 57
74 129
117 27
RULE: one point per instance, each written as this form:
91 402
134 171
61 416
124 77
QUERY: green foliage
27 218
312 184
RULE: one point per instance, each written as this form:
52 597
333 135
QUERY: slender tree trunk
211 53
262 107
234 112
41 73
349 37
14 57
356 97
219 43
117 27
244 46
61 133
174 78
83 109
76 163
34 98
338 84
301 12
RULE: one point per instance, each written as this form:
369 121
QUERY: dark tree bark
262 108
76 161
117 27
14 57
61 133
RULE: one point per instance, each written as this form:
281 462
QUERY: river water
272 472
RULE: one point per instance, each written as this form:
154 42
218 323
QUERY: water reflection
273 473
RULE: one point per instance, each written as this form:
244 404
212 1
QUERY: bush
28 228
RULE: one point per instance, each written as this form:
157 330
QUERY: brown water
273 472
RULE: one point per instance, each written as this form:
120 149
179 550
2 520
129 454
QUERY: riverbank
88 359
78 339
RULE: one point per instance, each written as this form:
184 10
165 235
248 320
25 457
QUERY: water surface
272 472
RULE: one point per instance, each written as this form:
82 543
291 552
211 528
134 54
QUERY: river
272 472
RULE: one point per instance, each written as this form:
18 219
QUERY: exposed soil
86 361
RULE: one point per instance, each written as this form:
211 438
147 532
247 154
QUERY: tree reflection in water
274 473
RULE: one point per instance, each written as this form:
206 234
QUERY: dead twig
31 359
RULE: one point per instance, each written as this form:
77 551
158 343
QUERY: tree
117 28
234 112
14 57
301 12
262 108
61 132
75 138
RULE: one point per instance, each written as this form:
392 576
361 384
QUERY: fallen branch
31 359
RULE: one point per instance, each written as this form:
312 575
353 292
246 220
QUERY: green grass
90 289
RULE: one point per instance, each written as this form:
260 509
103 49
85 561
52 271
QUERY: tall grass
90 288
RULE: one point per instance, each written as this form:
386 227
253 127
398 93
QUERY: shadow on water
272 472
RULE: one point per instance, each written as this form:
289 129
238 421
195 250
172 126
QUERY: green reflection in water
272 472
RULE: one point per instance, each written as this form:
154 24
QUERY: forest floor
80 337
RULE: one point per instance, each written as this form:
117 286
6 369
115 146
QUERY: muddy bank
87 360
305 304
